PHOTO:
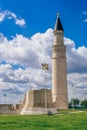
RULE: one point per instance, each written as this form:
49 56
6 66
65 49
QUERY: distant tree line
76 103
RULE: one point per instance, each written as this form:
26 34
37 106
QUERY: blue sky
41 14
26 39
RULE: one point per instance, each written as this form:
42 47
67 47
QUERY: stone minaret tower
59 74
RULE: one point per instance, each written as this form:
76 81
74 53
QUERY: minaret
59 74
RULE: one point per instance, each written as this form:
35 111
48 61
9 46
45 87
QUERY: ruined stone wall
40 97
36 98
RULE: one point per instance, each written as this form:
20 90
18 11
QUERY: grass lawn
66 121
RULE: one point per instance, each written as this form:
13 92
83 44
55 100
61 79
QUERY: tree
70 104
84 103
74 103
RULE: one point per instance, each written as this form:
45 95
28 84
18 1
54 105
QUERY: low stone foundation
35 111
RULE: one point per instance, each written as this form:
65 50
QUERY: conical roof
58 25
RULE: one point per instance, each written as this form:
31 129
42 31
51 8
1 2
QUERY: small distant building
6 109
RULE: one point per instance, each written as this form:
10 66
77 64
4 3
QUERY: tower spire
58 25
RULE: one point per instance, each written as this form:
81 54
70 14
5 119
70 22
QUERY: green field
66 121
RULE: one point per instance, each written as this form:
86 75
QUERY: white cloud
84 12
85 20
79 89
2 15
20 22
10 15
31 53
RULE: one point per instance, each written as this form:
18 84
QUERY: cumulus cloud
23 57
85 20
84 12
20 22
10 15
2 16
22 50
77 85
76 58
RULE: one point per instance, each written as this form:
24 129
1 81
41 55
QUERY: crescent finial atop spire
58 15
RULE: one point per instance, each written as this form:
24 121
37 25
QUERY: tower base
35 111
